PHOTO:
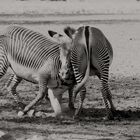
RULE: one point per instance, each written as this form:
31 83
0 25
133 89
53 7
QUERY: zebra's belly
33 76
24 72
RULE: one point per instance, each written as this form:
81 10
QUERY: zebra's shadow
95 114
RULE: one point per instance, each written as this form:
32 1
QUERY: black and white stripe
33 51
91 45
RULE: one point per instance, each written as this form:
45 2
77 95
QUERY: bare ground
124 85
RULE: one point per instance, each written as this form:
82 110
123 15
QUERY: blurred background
69 6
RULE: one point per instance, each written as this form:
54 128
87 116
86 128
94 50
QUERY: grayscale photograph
69 69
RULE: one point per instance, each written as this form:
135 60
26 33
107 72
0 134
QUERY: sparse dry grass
32 7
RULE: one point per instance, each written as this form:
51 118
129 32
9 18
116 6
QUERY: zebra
91 54
37 59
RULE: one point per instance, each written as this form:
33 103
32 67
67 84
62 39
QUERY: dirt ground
124 84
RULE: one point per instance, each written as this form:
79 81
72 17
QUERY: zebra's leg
71 103
8 82
46 96
42 91
81 97
11 87
109 97
55 102
106 93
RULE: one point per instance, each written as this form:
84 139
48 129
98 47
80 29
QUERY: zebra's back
29 48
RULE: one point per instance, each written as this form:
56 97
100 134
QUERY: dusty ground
124 84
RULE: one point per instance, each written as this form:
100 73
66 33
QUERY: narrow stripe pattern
30 50
91 45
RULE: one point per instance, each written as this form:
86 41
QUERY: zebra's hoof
20 114
76 117
77 113
31 112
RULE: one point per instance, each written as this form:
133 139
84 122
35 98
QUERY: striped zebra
91 54
36 59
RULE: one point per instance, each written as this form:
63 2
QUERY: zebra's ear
56 37
51 33
69 31
54 34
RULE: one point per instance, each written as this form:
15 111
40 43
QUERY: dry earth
124 84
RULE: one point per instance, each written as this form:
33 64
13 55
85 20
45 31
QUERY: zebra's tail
87 48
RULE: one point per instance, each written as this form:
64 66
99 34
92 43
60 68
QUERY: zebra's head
65 50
